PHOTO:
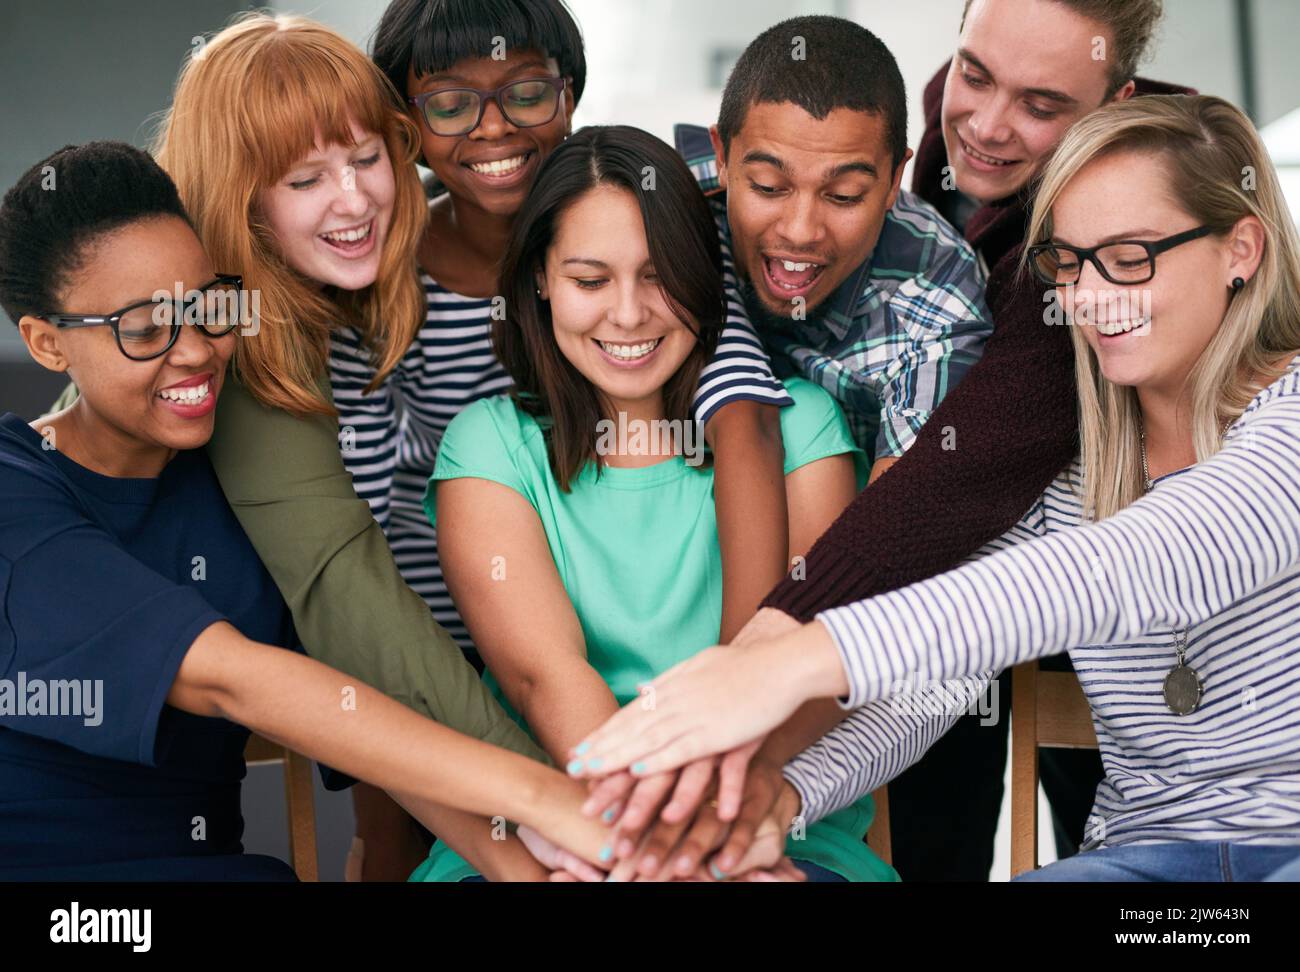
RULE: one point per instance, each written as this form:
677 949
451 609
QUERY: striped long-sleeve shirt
390 437
1213 551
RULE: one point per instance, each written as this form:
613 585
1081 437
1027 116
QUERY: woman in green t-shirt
575 516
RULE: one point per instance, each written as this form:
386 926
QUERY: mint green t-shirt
637 550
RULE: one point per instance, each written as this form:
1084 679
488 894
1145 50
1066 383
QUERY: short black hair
432 35
64 203
819 63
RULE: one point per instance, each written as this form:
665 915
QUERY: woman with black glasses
139 631
1166 560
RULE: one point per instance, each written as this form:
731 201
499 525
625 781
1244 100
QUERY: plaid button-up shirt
902 329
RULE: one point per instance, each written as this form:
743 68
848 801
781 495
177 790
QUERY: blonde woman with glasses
1165 560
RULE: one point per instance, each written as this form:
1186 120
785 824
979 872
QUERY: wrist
555 811
788 806
816 671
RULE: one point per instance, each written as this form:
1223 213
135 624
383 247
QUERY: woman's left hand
717 700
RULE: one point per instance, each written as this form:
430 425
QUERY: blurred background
103 69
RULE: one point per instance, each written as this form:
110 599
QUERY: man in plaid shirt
850 281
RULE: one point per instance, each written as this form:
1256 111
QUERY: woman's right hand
556 815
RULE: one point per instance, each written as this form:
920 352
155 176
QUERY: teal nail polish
595 764
717 872
638 768
574 767
606 853
608 815
582 748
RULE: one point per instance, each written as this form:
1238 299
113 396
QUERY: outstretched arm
285 480
300 703
1217 533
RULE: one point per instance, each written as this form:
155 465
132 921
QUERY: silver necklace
1184 688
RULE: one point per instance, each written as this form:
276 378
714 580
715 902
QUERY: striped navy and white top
1214 550
389 439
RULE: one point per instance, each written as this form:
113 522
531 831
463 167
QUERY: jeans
1184 860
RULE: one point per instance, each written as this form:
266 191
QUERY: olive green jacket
284 477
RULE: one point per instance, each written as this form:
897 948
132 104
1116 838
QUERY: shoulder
815 422
25 466
40 501
696 148
915 237
491 428
1061 505
1282 395
809 397
497 417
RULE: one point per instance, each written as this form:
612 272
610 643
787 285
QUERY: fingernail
595 764
608 815
683 865
606 853
574 767
717 873
638 768
582 748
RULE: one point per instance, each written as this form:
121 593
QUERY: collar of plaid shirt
897 333
913 232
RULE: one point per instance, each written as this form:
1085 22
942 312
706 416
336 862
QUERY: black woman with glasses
140 634
1165 560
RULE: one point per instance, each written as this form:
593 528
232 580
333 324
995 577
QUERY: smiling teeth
990 160
629 352
348 236
796 267
1122 327
186 396
500 167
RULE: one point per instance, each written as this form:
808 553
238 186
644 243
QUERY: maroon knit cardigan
991 447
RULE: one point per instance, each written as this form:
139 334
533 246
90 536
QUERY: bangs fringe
246 110
302 92
455 30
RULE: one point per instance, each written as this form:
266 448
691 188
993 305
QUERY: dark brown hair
683 242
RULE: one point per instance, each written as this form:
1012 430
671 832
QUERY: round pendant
1183 689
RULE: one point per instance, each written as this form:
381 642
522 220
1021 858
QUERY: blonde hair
1212 154
248 105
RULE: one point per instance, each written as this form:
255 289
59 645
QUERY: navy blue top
110 580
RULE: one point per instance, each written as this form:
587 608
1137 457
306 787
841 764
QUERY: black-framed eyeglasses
1123 262
148 328
458 111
